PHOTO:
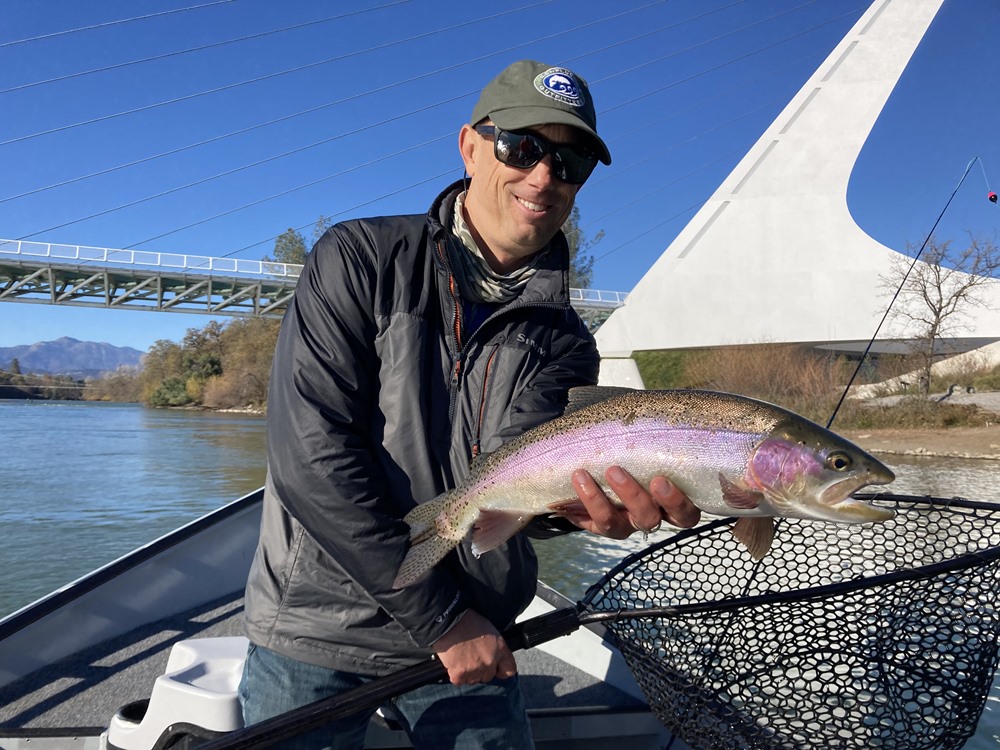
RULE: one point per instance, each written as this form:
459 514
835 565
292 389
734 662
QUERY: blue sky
356 111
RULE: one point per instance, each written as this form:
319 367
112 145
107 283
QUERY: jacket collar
549 284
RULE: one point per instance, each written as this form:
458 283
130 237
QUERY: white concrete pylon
775 255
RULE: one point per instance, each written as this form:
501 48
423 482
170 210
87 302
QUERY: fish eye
839 461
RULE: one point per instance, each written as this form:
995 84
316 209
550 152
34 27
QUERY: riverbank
954 442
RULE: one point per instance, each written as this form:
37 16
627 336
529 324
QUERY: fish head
807 471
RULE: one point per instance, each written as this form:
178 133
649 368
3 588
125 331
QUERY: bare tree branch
937 294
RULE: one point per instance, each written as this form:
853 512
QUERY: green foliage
171 392
581 264
989 381
217 366
808 382
122 386
202 365
661 369
289 247
17 385
319 228
912 412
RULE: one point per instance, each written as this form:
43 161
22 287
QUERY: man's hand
643 509
474 651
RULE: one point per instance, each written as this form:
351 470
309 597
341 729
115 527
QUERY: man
413 344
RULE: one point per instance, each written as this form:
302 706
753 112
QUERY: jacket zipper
456 332
477 442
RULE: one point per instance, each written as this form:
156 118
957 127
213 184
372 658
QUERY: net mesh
874 636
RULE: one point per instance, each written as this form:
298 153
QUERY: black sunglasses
570 164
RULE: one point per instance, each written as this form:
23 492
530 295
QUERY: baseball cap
529 93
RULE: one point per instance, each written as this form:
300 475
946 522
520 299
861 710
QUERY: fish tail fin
427 546
420 558
755 533
422 518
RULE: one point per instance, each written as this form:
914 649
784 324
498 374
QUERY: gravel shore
956 442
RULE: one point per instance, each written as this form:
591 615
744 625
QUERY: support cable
112 23
202 48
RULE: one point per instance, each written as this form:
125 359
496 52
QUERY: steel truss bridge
76 275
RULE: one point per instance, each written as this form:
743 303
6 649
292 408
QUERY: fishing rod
871 342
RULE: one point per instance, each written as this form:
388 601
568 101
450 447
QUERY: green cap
529 93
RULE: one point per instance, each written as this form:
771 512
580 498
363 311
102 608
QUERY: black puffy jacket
378 400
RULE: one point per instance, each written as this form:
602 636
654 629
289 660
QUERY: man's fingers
677 508
643 513
473 651
640 509
602 516
507 667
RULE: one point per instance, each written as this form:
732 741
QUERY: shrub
171 392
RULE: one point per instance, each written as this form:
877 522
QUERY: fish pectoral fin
739 497
494 527
420 558
755 533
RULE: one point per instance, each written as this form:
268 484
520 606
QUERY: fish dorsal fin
588 395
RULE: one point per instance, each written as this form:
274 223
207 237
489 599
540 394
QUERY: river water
85 483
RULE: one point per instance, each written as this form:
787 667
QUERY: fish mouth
838 497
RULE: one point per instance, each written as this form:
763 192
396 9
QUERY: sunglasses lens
524 150
519 150
572 166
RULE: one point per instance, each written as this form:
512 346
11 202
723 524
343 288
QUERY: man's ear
469 143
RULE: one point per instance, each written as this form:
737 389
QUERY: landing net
875 636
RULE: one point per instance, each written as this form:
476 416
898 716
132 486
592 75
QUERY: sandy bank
957 442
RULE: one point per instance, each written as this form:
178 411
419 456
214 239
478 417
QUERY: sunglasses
571 164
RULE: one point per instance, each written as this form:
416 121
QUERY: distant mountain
66 356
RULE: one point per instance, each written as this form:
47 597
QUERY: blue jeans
436 717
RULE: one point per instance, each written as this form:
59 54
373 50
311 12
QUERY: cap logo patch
560 84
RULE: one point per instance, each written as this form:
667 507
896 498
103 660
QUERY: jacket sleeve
321 457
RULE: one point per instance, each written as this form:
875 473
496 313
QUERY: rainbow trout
731 455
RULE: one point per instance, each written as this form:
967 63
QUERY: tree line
216 367
17 385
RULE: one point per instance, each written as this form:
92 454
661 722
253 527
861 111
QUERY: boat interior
73 660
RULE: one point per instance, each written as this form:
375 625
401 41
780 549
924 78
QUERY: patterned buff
476 280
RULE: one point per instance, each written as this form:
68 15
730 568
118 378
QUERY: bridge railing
55 253
597 298
146 259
